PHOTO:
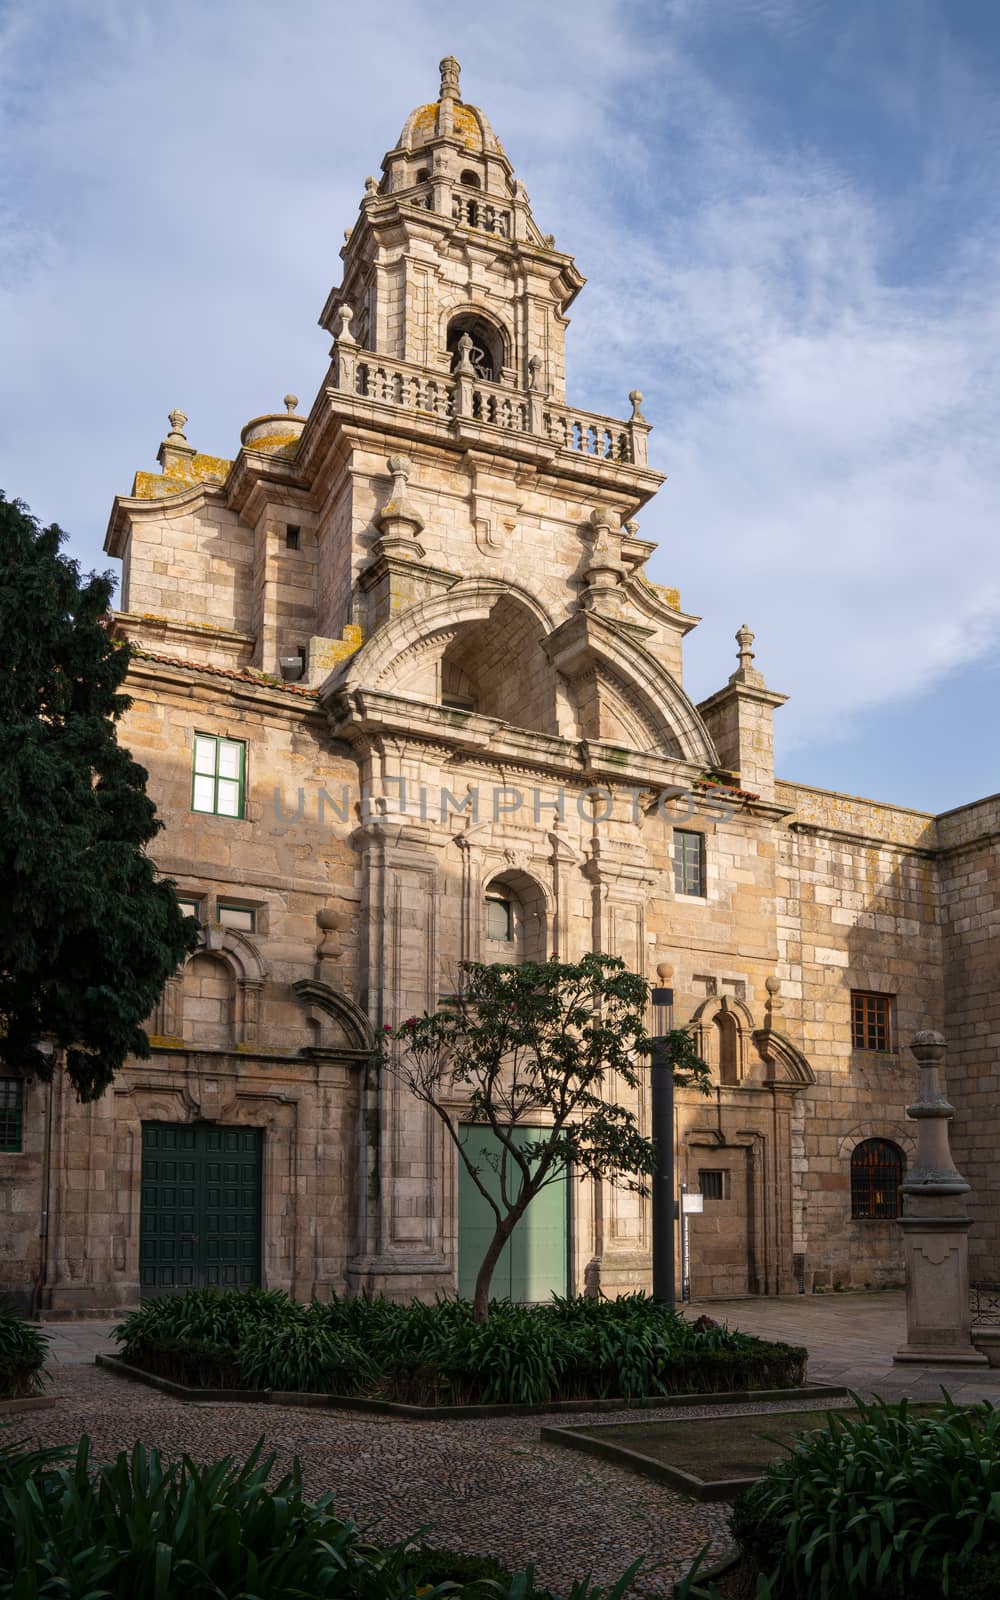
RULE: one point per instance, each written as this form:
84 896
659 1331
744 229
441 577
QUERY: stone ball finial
929 1047
177 420
290 402
745 638
773 986
665 972
449 69
400 466
342 332
635 395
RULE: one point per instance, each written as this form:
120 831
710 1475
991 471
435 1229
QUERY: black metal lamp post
662 1096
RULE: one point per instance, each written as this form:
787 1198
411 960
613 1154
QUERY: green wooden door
200 1216
533 1265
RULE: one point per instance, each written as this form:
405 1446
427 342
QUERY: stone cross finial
342 332
290 402
449 69
177 420
635 395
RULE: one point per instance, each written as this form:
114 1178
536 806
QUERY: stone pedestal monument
935 1228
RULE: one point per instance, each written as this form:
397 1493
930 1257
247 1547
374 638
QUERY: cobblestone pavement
486 1486
851 1339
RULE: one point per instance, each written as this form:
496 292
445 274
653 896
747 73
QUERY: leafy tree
88 933
538 1043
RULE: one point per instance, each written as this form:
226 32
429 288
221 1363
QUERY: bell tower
446 268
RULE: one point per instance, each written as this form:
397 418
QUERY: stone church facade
407 696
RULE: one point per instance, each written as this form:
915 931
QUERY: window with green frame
689 862
11 1114
219 780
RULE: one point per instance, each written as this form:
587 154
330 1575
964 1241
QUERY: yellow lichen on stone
284 444
671 596
180 475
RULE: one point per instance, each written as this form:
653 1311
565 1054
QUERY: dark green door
533 1265
200 1217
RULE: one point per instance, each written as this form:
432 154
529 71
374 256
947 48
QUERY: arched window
486 354
877 1167
471 179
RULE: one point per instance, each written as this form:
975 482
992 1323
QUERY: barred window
689 862
871 1020
876 1173
11 1114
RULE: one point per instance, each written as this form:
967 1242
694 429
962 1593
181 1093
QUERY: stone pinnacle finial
177 420
290 402
635 395
449 69
746 672
745 638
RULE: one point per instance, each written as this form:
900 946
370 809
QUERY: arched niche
723 1028
214 1002
490 343
514 916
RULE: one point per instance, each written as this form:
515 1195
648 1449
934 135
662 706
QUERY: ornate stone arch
341 1025
468 601
789 1068
587 641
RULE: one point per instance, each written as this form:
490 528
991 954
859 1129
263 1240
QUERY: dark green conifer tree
89 933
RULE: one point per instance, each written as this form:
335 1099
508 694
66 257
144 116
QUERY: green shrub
438 1355
888 1503
23 1348
141 1527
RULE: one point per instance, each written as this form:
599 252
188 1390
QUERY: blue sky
789 218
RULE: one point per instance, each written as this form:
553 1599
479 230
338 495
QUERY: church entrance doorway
533 1265
200 1218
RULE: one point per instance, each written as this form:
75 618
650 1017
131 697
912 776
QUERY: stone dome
450 116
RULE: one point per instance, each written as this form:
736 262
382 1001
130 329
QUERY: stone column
935 1228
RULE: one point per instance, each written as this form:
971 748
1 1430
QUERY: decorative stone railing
592 436
479 211
396 383
504 408
414 389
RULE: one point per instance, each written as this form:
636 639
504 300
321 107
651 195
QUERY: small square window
871 1020
293 537
11 1115
243 918
714 1183
499 919
190 908
219 775
689 862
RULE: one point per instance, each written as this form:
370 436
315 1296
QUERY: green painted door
200 1218
533 1265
